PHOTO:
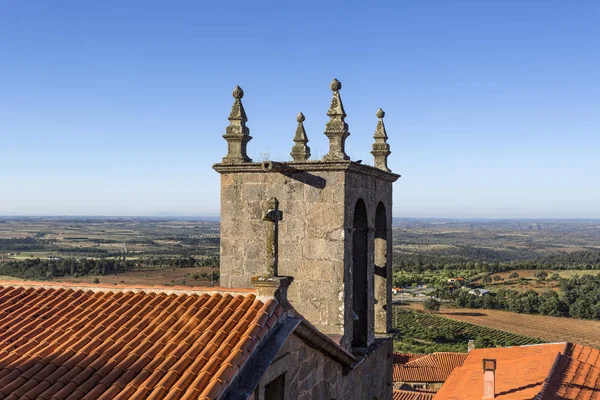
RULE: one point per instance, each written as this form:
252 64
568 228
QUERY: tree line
35 268
419 263
579 297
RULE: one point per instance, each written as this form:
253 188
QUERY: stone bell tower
325 223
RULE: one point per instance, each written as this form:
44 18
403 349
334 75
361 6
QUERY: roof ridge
126 288
549 376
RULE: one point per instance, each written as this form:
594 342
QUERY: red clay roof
544 372
63 343
576 375
410 395
403 358
435 367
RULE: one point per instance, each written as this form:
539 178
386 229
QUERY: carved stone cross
274 215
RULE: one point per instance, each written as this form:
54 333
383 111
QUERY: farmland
549 329
111 250
527 281
421 332
199 276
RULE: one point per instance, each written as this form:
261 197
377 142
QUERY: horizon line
212 216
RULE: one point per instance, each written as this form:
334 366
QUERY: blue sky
118 107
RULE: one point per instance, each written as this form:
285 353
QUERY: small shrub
432 304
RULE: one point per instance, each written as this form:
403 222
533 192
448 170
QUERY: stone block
254 192
239 281
322 249
253 210
231 248
323 219
292 229
255 250
292 190
255 267
290 250
316 195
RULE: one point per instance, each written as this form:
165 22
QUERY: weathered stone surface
237 133
381 150
310 374
300 151
314 237
336 129
340 262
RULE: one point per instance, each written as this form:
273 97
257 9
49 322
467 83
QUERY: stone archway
360 257
381 269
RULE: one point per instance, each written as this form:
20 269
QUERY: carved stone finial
381 149
300 151
238 93
237 133
335 85
336 129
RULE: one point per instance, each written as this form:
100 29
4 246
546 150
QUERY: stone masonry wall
311 375
315 239
311 238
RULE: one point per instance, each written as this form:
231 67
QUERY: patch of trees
23 244
579 298
35 268
419 263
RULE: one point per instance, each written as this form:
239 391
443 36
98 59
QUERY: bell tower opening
360 259
381 270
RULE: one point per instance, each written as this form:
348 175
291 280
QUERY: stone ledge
308 166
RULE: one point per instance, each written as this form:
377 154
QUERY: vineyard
549 329
422 332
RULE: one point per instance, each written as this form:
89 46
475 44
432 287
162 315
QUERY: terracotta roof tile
544 372
403 358
411 395
435 367
76 343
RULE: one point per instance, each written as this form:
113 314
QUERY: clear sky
117 107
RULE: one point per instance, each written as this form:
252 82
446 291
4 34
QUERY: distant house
456 280
397 290
545 372
479 292
424 372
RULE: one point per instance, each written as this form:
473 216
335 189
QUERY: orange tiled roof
576 375
435 367
403 358
545 372
410 395
65 343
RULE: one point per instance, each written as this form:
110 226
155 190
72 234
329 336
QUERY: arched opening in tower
359 275
381 267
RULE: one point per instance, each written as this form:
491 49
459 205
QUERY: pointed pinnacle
336 128
237 111
237 133
380 132
300 151
336 109
381 150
